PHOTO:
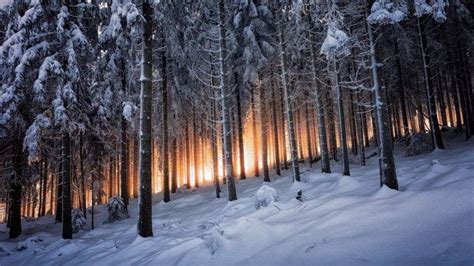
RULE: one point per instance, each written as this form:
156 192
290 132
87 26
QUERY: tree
144 215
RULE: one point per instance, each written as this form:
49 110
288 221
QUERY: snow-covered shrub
78 220
117 210
386 12
418 144
265 195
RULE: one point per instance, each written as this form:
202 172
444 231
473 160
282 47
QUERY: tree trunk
308 135
225 104
174 166
388 174
144 205
14 215
288 105
401 90
66 178
275 127
45 184
437 140
342 123
188 158
240 131
254 131
124 163
164 119
263 124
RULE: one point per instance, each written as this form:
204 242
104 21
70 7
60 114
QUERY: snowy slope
341 221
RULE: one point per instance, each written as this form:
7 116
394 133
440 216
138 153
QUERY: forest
109 102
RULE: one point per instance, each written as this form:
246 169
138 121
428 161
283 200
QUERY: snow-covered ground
341 221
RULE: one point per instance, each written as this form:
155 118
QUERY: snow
265 195
341 221
336 42
386 13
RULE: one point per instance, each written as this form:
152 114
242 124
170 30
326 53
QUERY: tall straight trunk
332 127
254 131
465 80
40 181
437 140
308 135
66 178
111 176
457 107
45 185
288 105
446 94
195 151
164 119
276 142
144 204
401 90
174 166
225 104
51 195
124 163
14 216
263 124
320 110
342 122
360 125
240 131
188 158
124 149
59 196
283 135
388 175
352 122
442 103
215 163
82 174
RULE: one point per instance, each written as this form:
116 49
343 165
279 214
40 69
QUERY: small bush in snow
418 144
78 221
117 210
265 195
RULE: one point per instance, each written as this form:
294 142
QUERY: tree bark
288 105
388 174
66 186
225 104
144 205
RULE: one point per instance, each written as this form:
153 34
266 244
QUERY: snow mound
385 192
265 195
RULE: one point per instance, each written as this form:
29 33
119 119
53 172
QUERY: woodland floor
341 221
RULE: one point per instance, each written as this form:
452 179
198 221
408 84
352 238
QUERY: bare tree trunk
388 174
263 124
16 191
308 135
225 104
437 140
288 105
240 132
254 131
144 205
188 158
275 128
83 177
66 178
124 163
164 119
342 123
